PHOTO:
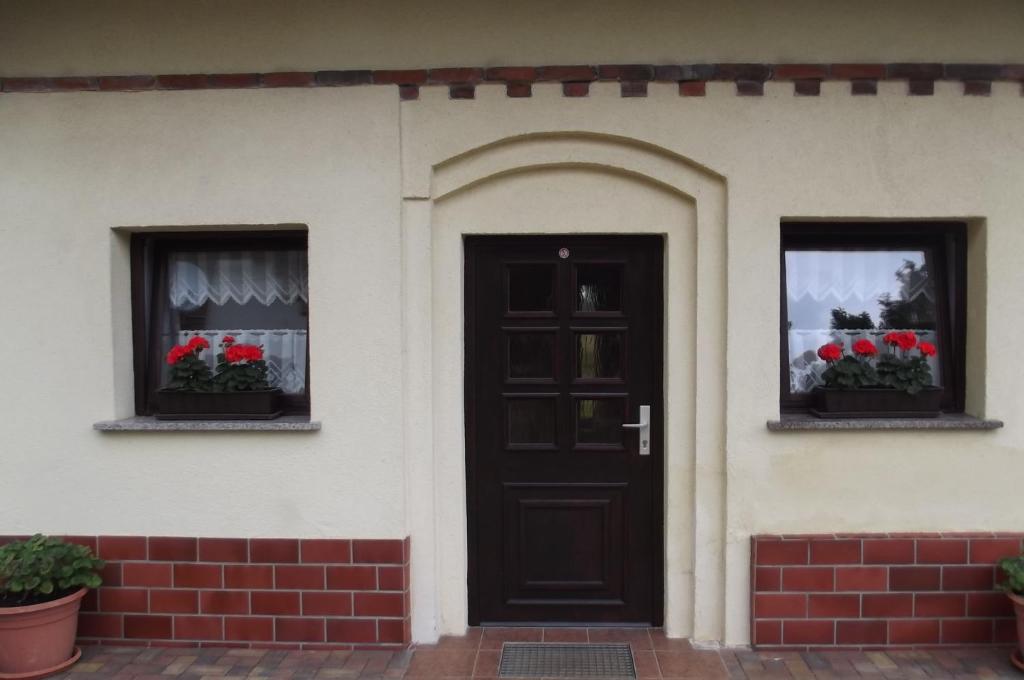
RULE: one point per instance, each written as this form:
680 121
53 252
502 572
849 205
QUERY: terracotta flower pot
39 639
1018 607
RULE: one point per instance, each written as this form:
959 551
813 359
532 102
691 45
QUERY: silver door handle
644 428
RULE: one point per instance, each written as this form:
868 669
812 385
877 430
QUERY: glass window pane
841 296
531 355
258 297
599 420
531 420
531 288
599 355
598 287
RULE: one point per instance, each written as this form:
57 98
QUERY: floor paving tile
477 656
568 635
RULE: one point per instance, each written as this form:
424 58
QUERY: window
251 286
842 282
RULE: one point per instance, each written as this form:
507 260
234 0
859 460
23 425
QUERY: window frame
947 240
148 268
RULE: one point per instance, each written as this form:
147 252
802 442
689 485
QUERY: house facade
542 287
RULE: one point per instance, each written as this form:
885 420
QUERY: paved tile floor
946 663
476 656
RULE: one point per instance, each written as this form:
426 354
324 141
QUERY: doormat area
538 660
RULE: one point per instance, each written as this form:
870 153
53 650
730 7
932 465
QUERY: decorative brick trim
260 592
633 78
861 591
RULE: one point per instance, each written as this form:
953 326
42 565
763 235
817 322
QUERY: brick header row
977 79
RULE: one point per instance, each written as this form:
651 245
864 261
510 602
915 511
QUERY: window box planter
879 402
248 405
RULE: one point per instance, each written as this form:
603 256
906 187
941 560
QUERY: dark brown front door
563 348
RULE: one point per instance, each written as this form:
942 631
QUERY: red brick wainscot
862 591
281 593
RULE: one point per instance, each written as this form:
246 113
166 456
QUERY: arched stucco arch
630 185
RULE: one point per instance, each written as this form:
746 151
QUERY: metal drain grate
531 660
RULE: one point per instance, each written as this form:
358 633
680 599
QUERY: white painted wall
366 175
885 157
77 167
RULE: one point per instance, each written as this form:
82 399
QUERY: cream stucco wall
781 157
77 167
71 37
386 188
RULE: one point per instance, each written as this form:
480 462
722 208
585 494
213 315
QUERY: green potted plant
237 390
42 583
869 384
1013 569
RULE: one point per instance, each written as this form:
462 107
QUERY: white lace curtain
861 276
284 350
264 276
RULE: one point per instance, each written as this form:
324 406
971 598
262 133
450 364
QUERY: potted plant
238 389
1013 568
42 583
867 384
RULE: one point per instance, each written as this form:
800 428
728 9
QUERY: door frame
443 184
657 499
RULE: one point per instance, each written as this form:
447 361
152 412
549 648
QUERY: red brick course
749 78
259 592
861 591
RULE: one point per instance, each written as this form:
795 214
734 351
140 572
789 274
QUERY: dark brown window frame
148 259
948 240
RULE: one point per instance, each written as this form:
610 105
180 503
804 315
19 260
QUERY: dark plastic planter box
876 403
257 405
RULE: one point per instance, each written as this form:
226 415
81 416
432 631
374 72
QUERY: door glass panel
599 420
531 355
598 287
531 420
599 355
531 288
844 296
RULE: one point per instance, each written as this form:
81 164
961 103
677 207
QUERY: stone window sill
800 422
150 424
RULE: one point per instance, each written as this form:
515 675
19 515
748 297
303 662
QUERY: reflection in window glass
599 355
531 355
599 421
531 288
258 297
843 296
531 421
599 287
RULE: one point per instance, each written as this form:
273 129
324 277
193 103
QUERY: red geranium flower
176 353
830 352
905 340
927 349
239 353
229 339
198 342
865 348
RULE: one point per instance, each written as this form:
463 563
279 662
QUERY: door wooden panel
562 348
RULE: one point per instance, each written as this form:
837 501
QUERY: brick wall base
261 592
880 590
